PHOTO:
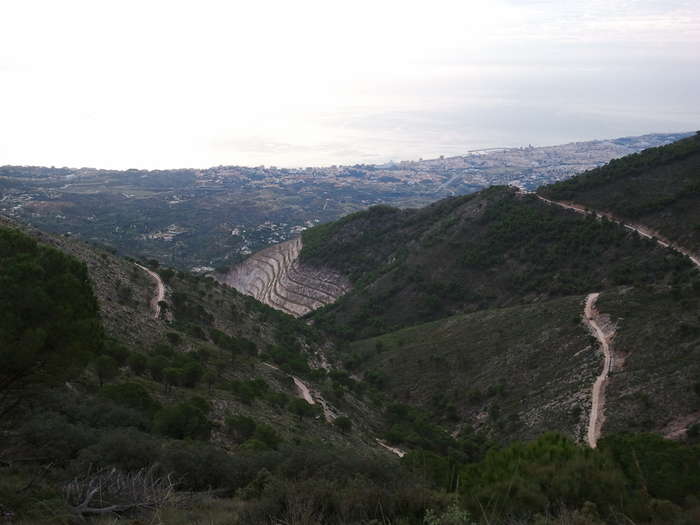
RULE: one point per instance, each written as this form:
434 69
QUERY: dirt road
640 229
395 450
160 291
597 416
304 390
311 397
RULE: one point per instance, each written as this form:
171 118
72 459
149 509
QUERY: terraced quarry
275 277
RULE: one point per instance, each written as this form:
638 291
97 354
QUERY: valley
207 219
484 351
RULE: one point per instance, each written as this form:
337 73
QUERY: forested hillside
659 188
493 249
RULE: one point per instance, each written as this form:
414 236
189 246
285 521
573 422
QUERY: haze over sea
180 84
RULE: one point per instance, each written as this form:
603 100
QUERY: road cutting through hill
597 416
640 229
160 291
311 397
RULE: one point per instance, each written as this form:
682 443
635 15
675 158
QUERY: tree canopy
49 318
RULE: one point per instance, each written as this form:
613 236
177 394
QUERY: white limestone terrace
275 277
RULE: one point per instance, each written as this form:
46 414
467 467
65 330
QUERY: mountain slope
274 277
510 373
496 248
659 188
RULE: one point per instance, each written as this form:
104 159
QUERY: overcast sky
164 84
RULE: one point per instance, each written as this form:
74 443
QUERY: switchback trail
160 291
329 413
640 229
310 396
395 450
597 417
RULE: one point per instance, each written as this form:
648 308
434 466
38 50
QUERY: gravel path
160 291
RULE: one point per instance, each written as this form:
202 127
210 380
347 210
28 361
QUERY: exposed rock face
275 277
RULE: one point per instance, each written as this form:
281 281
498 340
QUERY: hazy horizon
184 84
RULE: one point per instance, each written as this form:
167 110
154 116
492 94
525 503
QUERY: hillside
658 188
493 249
521 371
274 277
212 391
472 370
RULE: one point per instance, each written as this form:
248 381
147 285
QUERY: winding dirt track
304 390
641 230
597 416
160 291
310 396
395 450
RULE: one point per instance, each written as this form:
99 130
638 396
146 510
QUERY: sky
168 84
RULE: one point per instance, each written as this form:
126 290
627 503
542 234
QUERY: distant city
202 219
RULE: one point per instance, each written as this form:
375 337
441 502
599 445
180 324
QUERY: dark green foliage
301 408
49 321
188 310
343 423
106 368
526 478
247 391
412 426
492 249
157 366
264 433
183 420
173 377
661 468
659 187
166 274
240 428
116 351
127 449
174 338
191 374
138 363
54 435
131 395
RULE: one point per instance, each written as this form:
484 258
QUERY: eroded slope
274 276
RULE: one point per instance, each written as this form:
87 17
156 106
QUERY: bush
191 374
126 449
131 395
267 435
50 323
240 428
138 363
343 423
106 368
53 436
184 420
156 366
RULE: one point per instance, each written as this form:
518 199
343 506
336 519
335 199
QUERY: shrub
184 420
127 449
266 434
343 423
131 395
240 428
138 363
106 368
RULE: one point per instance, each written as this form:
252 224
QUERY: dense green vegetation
470 371
493 249
657 346
49 321
659 187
